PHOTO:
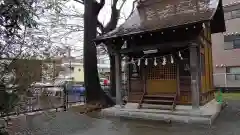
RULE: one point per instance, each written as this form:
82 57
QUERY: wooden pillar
195 74
118 79
128 76
65 98
144 79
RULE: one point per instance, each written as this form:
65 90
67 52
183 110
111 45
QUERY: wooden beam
151 47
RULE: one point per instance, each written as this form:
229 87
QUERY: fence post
65 98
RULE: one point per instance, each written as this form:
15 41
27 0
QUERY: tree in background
62 28
91 25
21 42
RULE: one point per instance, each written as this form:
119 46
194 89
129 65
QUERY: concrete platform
185 114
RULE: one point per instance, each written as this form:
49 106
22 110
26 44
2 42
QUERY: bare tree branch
79 1
100 26
133 5
98 6
114 3
123 2
114 18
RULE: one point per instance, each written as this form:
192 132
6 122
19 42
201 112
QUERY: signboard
163 12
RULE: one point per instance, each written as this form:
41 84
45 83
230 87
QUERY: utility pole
70 62
69 58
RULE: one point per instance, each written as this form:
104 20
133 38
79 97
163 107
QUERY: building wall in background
226 48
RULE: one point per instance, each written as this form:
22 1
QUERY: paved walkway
70 123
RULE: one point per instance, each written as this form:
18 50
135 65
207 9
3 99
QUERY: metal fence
226 80
43 98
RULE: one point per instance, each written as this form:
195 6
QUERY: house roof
231 34
152 15
231 3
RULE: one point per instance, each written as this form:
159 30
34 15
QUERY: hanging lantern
139 62
180 55
164 61
146 61
172 61
155 61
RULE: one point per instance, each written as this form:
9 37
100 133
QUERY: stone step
159 116
155 106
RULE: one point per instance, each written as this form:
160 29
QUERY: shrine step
133 101
160 99
159 96
157 101
134 97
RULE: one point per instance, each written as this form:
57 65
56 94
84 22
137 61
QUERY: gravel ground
71 123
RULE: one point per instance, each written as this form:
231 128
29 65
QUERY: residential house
74 69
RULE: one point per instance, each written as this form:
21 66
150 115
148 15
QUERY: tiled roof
159 14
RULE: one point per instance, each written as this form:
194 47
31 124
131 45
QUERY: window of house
233 73
236 43
232 42
235 14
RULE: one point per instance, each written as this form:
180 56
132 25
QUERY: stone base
204 115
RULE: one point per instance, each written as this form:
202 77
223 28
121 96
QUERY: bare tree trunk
90 67
94 93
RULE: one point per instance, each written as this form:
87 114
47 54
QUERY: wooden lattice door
162 79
